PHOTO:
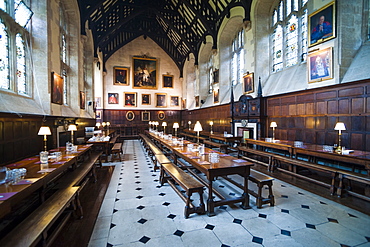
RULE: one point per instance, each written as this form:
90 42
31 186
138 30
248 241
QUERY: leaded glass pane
64 49
291 30
3 5
304 35
241 65
295 5
21 65
281 11
65 88
274 18
234 69
277 49
288 7
4 58
304 2
22 13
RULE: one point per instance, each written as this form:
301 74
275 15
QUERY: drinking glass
4 174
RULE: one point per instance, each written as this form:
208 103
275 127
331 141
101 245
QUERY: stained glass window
288 7
4 58
277 49
21 65
237 64
274 17
304 2
281 11
210 74
22 13
64 52
304 35
291 41
3 5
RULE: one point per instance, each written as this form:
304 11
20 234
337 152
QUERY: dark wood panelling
358 123
344 106
351 92
357 105
310 122
321 108
332 107
326 95
357 141
310 108
320 123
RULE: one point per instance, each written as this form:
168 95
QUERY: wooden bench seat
242 150
36 226
261 180
116 151
223 147
170 172
353 176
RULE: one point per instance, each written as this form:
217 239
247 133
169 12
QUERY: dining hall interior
184 123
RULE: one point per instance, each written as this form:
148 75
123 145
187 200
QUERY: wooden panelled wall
311 115
220 115
19 134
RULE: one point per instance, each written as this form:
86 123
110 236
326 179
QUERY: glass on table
4 174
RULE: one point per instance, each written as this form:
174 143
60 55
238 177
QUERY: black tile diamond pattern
284 196
257 240
162 194
285 232
178 233
210 227
310 226
332 220
140 207
305 206
237 221
144 239
139 197
171 216
262 216
166 204
285 211
142 221
112 225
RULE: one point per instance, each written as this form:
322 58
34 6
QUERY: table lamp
150 125
97 125
103 124
339 126
189 123
164 124
176 126
273 125
108 124
211 123
156 124
72 127
45 131
198 128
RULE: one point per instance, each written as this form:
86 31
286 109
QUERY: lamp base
338 150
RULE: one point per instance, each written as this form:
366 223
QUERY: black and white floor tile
138 212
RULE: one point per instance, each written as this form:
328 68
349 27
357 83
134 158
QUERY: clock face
244 123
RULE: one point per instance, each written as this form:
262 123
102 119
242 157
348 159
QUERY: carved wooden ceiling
177 26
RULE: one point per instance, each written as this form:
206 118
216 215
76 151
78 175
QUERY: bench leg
271 195
340 187
187 206
332 186
259 196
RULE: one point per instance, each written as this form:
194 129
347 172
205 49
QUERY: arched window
4 58
289 34
210 73
64 52
13 45
237 62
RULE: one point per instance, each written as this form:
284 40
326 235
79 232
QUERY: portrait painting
174 100
161 99
144 73
168 81
98 114
121 76
130 99
161 115
82 100
248 80
145 116
320 65
216 95
97 102
215 76
145 99
183 103
321 25
57 88
130 115
113 98
197 101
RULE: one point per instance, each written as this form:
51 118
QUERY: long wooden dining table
226 165
37 177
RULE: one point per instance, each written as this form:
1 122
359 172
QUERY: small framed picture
248 80
215 95
113 98
145 116
320 66
183 103
168 81
161 115
98 114
197 101
97 102
145 99
130 99
57 85
161 99
174 100
130 115
321 25
121 76
82 99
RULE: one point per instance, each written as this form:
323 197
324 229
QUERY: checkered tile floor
137 211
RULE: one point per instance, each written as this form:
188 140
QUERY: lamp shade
198 126
44 130
189 122
72 127
97 125
164 124
211 123
340 126
273 124
103 124
108 123
176 125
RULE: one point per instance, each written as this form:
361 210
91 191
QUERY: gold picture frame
320 65
321 25
121 76
130 99
161 115
130 115
161 100
144 73
248 83
145 116
145 99
57 85
167 81
175 101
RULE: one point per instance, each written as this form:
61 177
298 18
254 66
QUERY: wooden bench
116 151
352 176
188 183
36 226
243 150
223 147
79 177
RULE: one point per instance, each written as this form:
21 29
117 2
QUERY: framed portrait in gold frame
320 65
57 85
167 81
174 101
130 115
121 76
161 115
248 83
145 99
130 99
216 92
144 73
145 116
161 100
321 25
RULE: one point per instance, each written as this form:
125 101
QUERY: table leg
245 203
210 202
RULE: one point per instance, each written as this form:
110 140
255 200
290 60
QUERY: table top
36 177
